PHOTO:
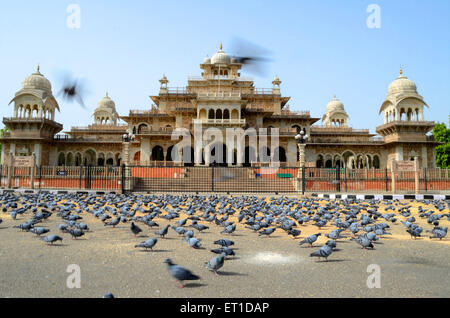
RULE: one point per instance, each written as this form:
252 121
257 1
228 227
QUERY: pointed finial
401 71
107 94
334 96
38 68
221 46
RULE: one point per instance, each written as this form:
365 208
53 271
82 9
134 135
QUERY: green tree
2 132
442 134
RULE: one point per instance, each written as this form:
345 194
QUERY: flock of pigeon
365 221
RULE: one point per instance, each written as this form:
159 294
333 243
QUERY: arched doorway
137 157
319 162
279 154
250 156
169 156
157 154
188 156
218 155
90 158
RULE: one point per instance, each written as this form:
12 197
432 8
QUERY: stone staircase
217 179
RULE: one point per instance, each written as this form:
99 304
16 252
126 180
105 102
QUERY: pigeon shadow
4 227
221 273
194 285
333 261
153 251
59 245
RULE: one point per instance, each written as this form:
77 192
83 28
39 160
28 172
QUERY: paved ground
263 267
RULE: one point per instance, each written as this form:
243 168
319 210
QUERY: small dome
207 60
221 57
335 105
233 60
402 85
37 81
106 102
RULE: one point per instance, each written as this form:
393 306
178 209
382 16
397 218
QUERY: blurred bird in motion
72 89
252 56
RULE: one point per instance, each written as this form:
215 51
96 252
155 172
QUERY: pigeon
108 295
199 227
39 230
227 250
294 232
148 243
135 229
179 272
113 222
229 229
310 239
76 233
162 232
193 242
216 263
52 238
440 234
224 242
364 242
180 230
324 251
267 232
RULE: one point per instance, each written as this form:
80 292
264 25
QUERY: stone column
393 169
10 169
416 174
33 170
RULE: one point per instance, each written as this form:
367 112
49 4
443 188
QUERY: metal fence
255 179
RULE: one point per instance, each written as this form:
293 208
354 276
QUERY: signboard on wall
23 161
405 165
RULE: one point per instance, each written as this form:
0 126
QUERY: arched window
61 159
376 162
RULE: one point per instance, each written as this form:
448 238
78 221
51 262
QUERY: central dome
220 57
37 81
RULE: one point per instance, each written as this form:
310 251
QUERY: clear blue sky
320 48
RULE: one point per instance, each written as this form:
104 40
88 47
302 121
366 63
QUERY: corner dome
335 105
106 102
402 85
207 60
37 81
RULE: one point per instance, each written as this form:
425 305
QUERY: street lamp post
126 174
301 138
127 138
